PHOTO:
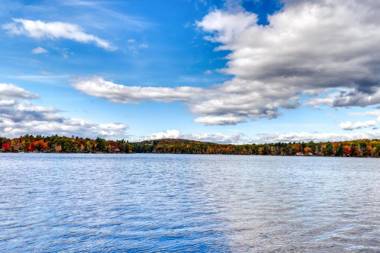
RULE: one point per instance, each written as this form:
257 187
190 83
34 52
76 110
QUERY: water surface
188 203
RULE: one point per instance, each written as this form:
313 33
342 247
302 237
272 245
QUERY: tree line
62 144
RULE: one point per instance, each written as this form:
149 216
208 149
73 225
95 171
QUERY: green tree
339 150
101 145
329 149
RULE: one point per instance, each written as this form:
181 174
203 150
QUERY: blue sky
194 44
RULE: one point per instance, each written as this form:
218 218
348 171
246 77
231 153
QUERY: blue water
188 203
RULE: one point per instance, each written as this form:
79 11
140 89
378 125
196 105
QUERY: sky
234 71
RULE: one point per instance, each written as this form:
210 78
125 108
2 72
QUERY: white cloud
375 113
205 137
229 26
315 137
98 87
349 125
11 91
38 29
168 134
18 117
39 50
219 120
220 138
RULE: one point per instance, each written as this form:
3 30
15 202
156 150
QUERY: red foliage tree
6 146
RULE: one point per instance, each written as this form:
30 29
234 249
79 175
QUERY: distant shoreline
189 154
62 144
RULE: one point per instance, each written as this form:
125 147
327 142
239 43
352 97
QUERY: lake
188 203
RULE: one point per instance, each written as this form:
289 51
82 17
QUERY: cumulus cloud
327 47
309 45
39 50
38 29
18 116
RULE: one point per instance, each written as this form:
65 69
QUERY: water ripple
188 203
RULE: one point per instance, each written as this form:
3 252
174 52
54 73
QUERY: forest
62 144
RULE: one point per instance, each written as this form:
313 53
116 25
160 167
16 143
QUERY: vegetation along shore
61 144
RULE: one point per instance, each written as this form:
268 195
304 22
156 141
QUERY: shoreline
189 154
72 145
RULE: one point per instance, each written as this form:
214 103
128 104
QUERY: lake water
188 203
